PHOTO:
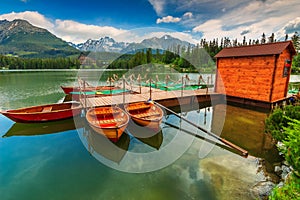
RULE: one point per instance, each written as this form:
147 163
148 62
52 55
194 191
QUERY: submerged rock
262 189
231 176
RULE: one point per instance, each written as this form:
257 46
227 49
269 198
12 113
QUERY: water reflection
152 138
245 127
102 146
32 129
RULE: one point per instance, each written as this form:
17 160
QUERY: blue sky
129 20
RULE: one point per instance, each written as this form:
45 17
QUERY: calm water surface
56 161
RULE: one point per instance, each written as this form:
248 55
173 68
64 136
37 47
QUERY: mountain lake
61 160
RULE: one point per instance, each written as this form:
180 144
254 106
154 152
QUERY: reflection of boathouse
243 127
255 72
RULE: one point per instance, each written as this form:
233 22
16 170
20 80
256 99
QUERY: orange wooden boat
43 113
145 114
109 121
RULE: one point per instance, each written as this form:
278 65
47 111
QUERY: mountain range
108 44
20 38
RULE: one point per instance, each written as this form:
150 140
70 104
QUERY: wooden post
84 94
139 79
150 89
123 90
110 85
182 86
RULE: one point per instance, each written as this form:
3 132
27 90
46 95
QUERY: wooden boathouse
255 73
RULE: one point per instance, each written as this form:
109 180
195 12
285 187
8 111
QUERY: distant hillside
20 38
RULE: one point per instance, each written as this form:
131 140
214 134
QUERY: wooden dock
167 98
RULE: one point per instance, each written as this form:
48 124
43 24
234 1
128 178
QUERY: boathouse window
286 69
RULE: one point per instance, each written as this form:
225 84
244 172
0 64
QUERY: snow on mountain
108 44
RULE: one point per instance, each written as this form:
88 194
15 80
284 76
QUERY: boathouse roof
257 50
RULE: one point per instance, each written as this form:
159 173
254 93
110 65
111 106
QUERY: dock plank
157 95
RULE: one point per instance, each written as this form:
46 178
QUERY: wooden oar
243 152
222 145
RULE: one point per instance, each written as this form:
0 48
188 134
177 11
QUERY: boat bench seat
134 108
101 113
148 114
47 109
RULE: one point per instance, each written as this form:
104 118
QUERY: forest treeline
189 58
9 62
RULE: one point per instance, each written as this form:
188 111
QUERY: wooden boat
109 121
145 114
69 89
44 113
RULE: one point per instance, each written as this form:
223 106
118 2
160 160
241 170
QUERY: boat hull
145 114
69 89
108 121
151 124
113 134
39 114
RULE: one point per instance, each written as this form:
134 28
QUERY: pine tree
271 38
244 41
149 55
263 39
286 37
296 41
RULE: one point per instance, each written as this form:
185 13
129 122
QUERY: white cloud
252 20
234 19
76 32
290 28
68 30
158 6
34 18
188 15
168 19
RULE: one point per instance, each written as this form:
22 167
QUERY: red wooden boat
69 89
108 121
43 113
145 114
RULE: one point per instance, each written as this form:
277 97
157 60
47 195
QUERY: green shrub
279 119
291 143
284 126
290 190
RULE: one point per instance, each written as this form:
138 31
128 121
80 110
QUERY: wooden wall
280 86
256 77
246 77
